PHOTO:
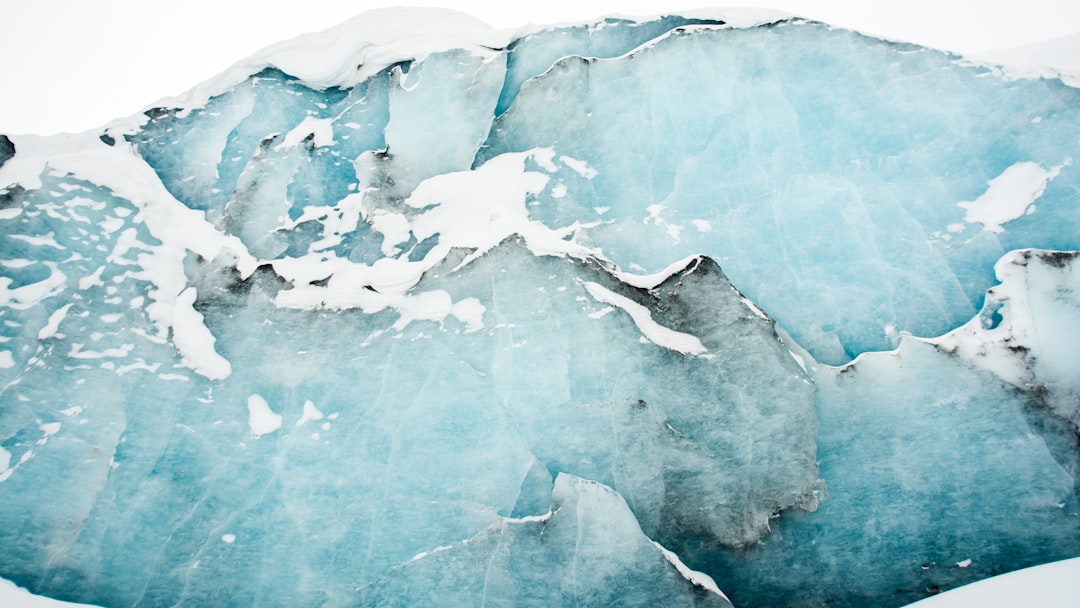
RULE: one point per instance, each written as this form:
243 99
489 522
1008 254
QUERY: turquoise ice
669 312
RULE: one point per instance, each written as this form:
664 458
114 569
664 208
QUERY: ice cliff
656 312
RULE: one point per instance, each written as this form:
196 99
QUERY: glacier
729 308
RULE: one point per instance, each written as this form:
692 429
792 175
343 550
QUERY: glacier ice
521 562
634 312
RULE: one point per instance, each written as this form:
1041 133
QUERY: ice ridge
660 311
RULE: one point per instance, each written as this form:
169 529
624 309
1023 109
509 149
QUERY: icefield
725 309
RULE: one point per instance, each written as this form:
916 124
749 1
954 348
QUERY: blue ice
623 313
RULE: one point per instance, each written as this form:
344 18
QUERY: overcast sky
72 65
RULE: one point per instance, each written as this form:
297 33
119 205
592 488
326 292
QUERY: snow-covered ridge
345 55
1057 58
1028 333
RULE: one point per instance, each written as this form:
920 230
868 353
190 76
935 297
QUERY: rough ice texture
519 561
598 314
1028 332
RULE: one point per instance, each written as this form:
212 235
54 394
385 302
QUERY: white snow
432 305
672 230
1056 58
261 419
321 130
470 312
649 281
17 263
698 579
1010 195
393 226
310 414
178 228
650 329
990 349
27 296
1055 585
92 280
13 596
53 325
47 240
194 340
580 167
119 352
345 55
475 209
471 213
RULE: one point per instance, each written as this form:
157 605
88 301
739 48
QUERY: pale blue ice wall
821 170
845 164
929 464
828 166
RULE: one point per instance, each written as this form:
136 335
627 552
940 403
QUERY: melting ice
734 309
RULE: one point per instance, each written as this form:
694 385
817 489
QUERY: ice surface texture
596 314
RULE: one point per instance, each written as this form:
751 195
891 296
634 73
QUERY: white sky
72 65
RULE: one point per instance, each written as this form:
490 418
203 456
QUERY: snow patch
1057 58
28 296
1010 195
194 340
580 167
16 597
698 579
650 329
261 419
702 225
178 228
310 414
1054 585
53 325
320 130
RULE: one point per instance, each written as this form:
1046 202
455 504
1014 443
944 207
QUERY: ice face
271 451
1029 329
919 478
804 171
519 561
498 321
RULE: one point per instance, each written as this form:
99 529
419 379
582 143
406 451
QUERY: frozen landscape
729 308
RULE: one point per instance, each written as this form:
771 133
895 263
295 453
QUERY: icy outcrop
1028 332
519 562
612 313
